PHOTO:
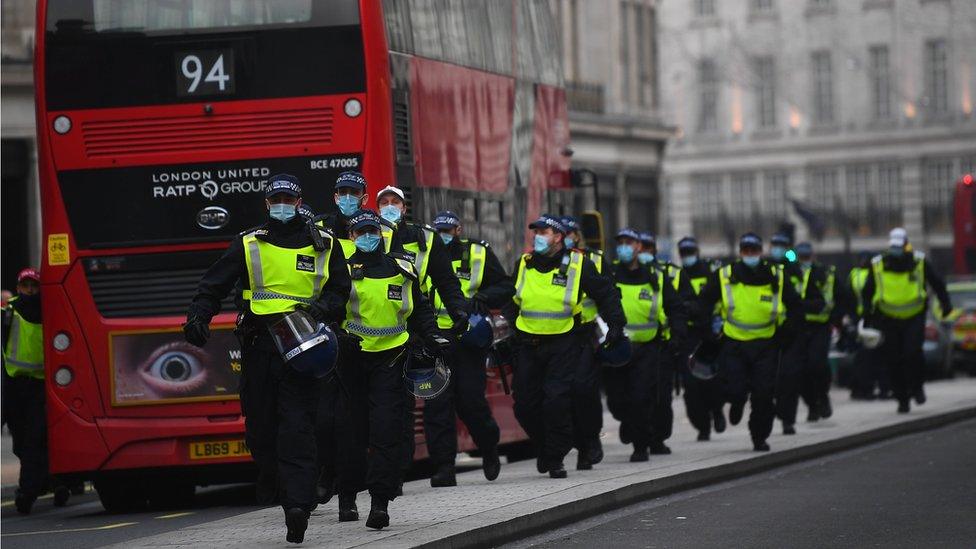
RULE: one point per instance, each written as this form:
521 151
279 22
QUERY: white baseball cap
391 189
897 237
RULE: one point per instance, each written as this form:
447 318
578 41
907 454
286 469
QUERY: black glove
479 305
196 331
314 309
348 343
614 335
437 344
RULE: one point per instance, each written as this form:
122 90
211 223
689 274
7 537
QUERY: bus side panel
550 163
965 227
378 151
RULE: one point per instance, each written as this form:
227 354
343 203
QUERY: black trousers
902 351
25 416
545 368
464 398
645 387
279 408
804 372
342 431
703 398
869 371
587 405
749 371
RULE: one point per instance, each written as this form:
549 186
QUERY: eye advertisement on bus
160 366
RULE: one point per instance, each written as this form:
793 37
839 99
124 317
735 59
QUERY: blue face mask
391 213
570 242
540 244
368 242
896 251
777 252
625 253
750 260
689 260
282 212
645 258
447 237
348 204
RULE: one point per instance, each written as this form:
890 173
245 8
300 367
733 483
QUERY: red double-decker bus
964 226
158 124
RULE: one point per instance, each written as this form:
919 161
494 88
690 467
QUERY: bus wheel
171 494
121 496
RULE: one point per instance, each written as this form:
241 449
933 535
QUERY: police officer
386 306
814 341
23 403
486 284
867 371
896 296
349 198
284 264
759 309
587 405
703 397
792 357
645 384
549 284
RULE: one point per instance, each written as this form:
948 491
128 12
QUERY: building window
704 8
822 195
823 88
626 21
880 83
742 201
638 54
938 186
936 77
765 69
708 206
887 199
708 100
762 5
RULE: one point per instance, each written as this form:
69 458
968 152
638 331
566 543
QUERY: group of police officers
633 327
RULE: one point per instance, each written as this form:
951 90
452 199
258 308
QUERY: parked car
959 328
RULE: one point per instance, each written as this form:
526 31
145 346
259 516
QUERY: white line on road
92 529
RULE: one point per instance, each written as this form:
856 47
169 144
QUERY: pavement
522 503
913 491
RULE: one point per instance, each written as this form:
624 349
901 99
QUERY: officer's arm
510 310
796 307
867 294
674 308
813 302
218 281
497 287
605 293
335 293
445 281
844 297
422 320
710 295
938 285
607 267
7 320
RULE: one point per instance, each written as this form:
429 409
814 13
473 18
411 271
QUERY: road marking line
175 515
92 529
10 502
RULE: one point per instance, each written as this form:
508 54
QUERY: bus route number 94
205 72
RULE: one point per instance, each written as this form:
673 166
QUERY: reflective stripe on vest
281 278
387 233
674 273
590 312
477 255
374 314
644 309
547 307
23 356
698 283
900 295
827 290
746 313
857 278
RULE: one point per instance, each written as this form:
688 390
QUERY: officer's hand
437 344
315 310
614 335
479 305
196 331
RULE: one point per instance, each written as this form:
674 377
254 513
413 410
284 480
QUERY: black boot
789 429
23 502
583 462
557 470
735 412
541 465
718 419
491 464
760 445
826 410
920 396
325 488
658 448
61 495
904 406
624 433
444 477
703 436
813 414
640 455
296 519
379 517
595 451
348 512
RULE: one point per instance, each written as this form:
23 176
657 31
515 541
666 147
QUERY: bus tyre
167 495
119 496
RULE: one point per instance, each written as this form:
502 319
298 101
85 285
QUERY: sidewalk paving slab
478 513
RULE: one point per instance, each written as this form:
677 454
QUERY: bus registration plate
218 449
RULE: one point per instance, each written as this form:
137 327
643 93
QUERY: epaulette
400 255
422 226
481 243
257 230
405 266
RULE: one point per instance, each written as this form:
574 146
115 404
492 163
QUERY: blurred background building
844 117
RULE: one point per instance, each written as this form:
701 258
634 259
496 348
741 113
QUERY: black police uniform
545 365
644 387
868 371
278 403
814 342
901 349
466 393
749 367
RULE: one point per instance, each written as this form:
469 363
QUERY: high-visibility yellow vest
378 309
826 289
470 270
23 355
697 283
674 274
644 308
590 312
281 278
857 278
549 302
899 295
751 312
348 247
419 252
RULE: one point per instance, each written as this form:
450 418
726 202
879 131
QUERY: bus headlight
62 124
64 376
61 341
353 108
